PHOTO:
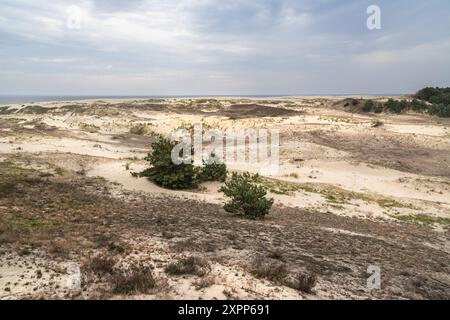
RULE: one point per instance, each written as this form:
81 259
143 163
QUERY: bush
100 265
139 129
418 106
393 106
213 170
434 95
164 172
135 280
266 269
247 197
191 265
301 282
440 110
368 106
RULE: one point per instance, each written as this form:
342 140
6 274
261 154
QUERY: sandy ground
348 194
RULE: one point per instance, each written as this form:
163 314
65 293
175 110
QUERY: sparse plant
138 129
267 269
248 198
377 124
213 170
191 265
135 280
91 128
293 175
301 281
100 264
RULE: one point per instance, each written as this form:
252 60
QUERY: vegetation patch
434 101
20 224
278 273
177 176
36 109
274 271
89 127
100 264
7 110
191 265
248 198
423 219
213 170
135 280
139 129
164 172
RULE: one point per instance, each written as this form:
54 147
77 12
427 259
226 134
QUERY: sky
218 47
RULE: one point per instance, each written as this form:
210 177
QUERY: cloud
227 47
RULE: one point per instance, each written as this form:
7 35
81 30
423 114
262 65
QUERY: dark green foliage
35 109
434 95
440 110
164 172
443 98
247 197
418 105
369 105
435 101
6 110
167 174
213 170
395 106
439 98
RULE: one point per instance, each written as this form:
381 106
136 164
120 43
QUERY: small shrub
294 175
139 129
369 105
204 282
164 172
91 128
270 270
247 197
301 282
377 124
213 170
100 265
134 280
276 254
191 265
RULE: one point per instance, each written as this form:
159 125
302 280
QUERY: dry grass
267 269
100 264
301 281
133 281
204 282
191 265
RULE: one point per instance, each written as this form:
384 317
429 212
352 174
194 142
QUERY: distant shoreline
23 99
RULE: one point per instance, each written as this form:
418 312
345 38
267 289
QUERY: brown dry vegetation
82 213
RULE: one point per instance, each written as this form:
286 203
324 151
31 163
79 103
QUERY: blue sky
194 47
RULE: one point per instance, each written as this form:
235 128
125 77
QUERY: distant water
28 99
19 99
